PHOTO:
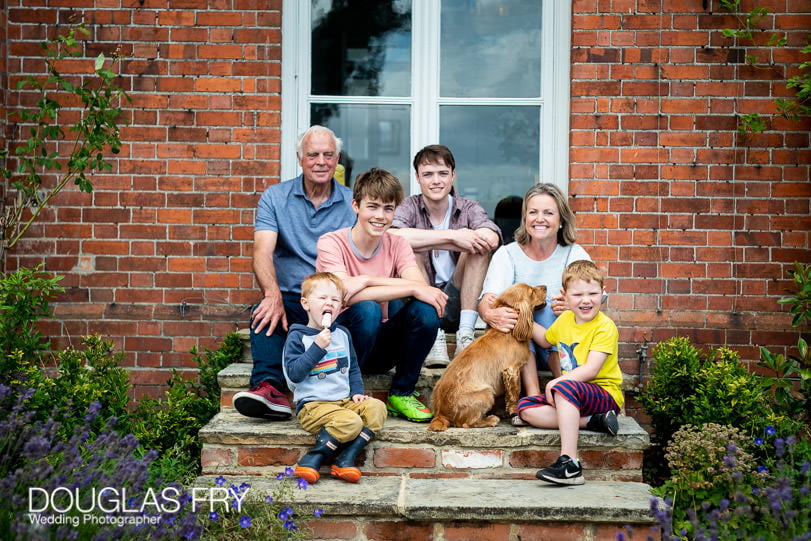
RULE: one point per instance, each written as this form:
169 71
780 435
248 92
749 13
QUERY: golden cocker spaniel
488 367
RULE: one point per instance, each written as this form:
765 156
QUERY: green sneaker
409 407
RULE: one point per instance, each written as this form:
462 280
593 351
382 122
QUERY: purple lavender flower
213 516
318 512
770 430
758 441
290 525
779 447
288 471
302 483
219 481
245 521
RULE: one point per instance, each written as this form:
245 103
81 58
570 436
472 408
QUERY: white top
442 260
510 265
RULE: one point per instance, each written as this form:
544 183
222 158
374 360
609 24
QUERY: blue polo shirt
285 209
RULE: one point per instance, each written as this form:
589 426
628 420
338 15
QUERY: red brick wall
157 259
694 228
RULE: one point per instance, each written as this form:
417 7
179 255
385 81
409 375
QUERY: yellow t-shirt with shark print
575 340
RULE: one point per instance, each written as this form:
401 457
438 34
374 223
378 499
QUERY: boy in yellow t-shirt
588 394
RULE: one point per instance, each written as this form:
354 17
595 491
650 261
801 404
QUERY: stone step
236 377
238 445
406 507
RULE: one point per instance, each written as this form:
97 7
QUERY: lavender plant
84 487
706 462
769 498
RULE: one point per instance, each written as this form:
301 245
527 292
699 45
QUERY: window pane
361 47
490 48
495 148
373 136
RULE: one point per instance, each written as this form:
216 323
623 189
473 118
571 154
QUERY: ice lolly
326 320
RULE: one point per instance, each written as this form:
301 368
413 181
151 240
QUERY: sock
467 319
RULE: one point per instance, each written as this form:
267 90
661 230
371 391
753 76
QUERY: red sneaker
263 401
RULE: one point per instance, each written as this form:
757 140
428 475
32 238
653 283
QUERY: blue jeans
402 341
267 350
543 317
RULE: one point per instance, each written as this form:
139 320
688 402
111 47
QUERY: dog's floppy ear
524 304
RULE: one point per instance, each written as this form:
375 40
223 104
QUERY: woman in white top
544 245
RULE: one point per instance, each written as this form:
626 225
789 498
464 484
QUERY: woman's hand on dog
502 319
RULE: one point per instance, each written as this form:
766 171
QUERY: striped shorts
589 398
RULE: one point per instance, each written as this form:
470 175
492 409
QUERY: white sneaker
463 339
438 356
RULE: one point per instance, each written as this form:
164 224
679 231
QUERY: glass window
484 77
490 49
373 136
361 48
495 148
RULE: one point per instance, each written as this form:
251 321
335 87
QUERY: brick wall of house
694 227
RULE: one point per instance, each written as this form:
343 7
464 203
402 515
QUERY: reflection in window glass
373 136
361 47
490 48
495 148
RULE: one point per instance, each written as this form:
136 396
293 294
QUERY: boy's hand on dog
557 304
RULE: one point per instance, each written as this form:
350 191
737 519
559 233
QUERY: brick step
236 377
405 507
238 445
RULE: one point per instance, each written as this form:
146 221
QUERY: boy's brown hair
582 270
377 184
434 154
309 283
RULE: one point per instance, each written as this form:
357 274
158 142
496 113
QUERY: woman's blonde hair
566 233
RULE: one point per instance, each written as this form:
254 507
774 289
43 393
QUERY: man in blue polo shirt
289 219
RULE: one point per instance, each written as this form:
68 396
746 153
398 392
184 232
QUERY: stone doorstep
240 445
463 500
235 378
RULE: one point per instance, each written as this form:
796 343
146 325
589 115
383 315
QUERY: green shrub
692 387
85 376
170 424
24 300
788 378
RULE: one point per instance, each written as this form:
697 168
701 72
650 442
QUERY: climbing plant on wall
791 108
69 152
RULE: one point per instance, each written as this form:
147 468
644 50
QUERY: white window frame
554 101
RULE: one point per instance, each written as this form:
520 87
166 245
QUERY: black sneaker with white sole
606 423
565 471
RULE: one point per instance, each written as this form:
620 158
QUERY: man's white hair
318 129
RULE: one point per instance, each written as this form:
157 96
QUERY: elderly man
290 217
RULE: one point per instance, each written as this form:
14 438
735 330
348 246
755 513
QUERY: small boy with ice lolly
321 369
